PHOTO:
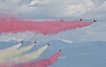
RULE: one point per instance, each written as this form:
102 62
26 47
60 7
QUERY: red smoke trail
43 63
45 27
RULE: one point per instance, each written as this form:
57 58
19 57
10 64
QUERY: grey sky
55 9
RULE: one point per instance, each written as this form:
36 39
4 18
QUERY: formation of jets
81 19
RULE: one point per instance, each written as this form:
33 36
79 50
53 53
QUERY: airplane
60 50
94 20
22 41
81 19
35 42
61 20
48 44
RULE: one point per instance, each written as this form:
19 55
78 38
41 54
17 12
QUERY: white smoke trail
14 53
32 56
11 48
25 58
3 53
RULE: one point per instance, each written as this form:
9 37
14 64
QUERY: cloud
64 40
94 36
18 37
62 57
57 8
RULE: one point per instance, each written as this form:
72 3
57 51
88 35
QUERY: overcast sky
56 9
